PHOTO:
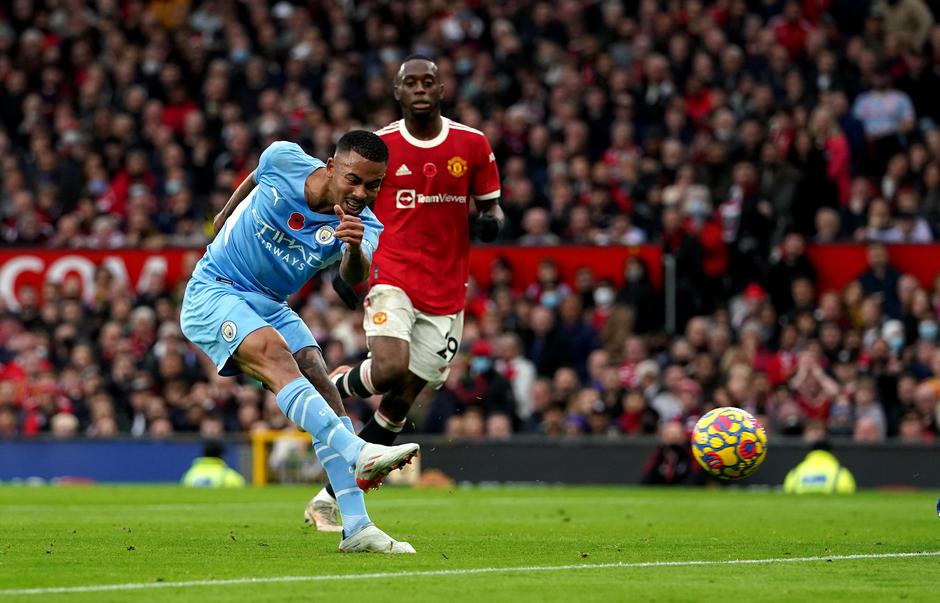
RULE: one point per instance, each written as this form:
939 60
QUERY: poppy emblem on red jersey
430 170
457 166
296 221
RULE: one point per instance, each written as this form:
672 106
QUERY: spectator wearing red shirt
792 30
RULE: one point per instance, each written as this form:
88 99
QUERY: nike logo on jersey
403 171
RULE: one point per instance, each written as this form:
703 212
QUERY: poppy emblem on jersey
430 170
324 234
380 318
405 198
296 221
228 331
457 166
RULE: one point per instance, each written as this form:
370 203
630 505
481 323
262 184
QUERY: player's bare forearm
237 197
354 267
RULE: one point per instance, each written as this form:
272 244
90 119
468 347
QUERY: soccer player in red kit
414 309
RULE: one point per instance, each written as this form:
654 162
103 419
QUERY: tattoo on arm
308 361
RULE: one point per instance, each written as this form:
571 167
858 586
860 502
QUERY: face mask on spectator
388 55
603 296
896 343
698 208
97 187
550 299
480 364
150 67
927 330
724 135
173 187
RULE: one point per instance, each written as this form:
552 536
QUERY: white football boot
370 539
376 461
323 512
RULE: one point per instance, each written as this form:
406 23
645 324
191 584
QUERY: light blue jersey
269 247
273 243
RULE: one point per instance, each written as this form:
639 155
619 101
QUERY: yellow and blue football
729 443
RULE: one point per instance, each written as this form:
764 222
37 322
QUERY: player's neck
425 129
315 192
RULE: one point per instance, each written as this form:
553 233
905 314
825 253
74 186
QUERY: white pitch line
452 572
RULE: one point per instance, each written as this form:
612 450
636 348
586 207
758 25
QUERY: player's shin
352 504
304 405
381 430
357 381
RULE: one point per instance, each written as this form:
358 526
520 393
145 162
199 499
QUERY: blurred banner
24 268
524 459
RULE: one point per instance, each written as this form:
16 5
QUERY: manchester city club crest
325 234
228 331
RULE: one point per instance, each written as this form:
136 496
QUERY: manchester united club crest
457 166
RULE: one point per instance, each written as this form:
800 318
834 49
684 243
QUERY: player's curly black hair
366 144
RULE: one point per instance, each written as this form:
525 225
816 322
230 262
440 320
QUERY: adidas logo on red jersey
403 171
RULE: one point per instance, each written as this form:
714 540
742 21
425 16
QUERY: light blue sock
304 405
352 503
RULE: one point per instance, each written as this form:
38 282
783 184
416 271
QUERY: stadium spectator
671 463
881 280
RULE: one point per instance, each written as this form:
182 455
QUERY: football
729 443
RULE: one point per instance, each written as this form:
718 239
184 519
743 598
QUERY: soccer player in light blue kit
290 218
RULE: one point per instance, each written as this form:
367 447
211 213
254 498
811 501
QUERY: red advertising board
838 265
22 268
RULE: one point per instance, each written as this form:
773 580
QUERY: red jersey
424 205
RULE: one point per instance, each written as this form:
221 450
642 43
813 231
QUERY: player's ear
330 166
396 93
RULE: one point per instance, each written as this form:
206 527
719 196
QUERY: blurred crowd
127 123
553 358
730 133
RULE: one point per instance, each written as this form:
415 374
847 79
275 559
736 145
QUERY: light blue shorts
216 317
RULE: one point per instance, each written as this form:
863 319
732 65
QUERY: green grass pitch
60 543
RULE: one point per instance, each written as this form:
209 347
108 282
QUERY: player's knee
267 357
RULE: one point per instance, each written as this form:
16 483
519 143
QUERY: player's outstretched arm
237 197
354 267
